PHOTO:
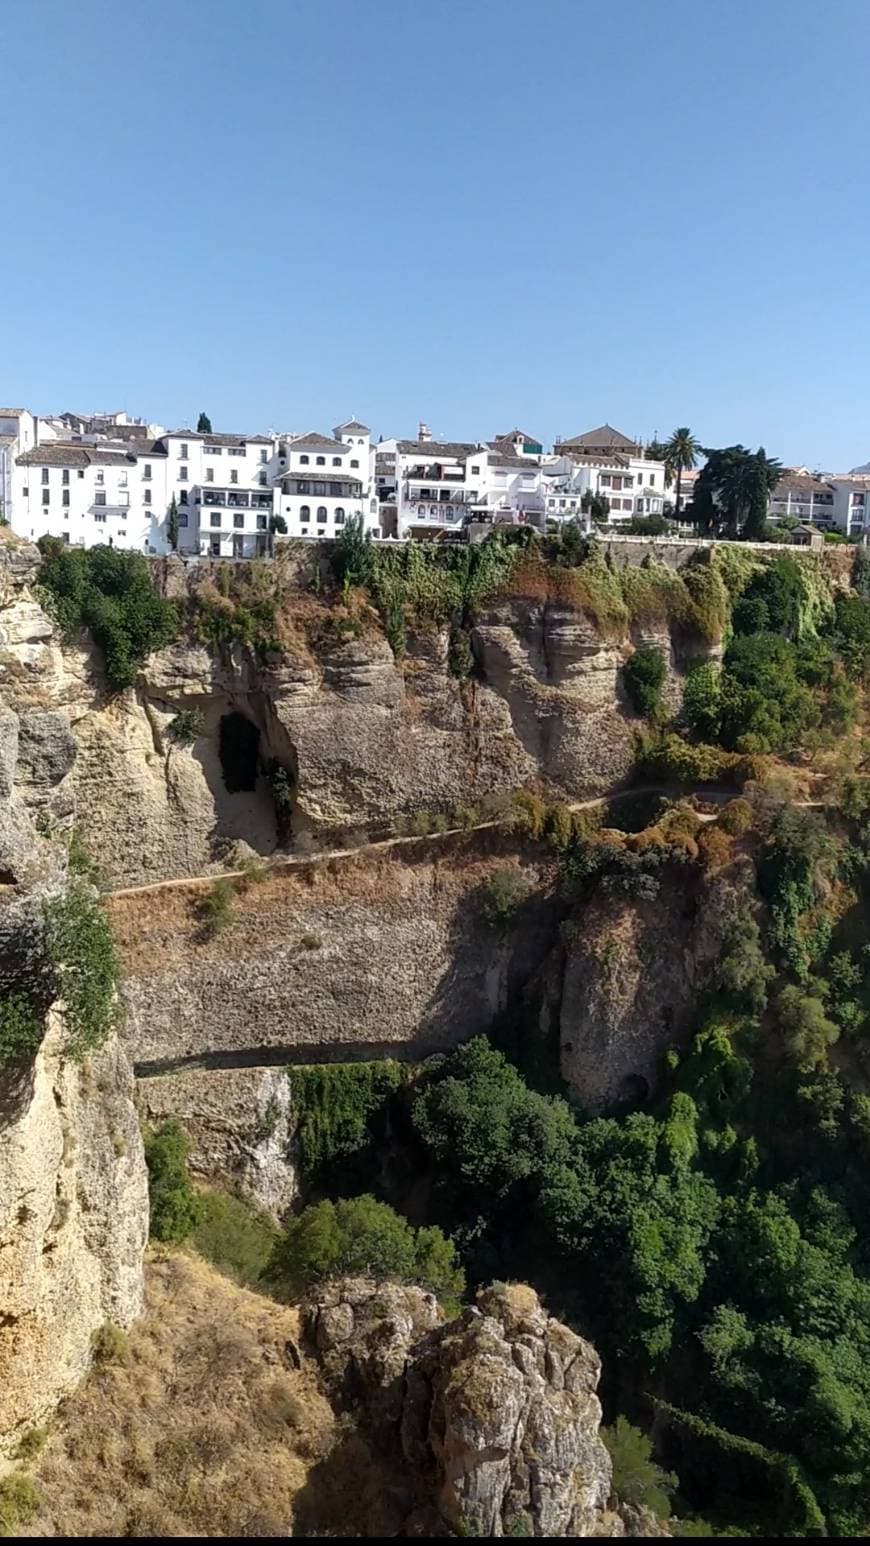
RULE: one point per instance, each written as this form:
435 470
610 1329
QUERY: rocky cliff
491 1421
73 1200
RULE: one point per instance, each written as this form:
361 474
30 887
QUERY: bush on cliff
108 591
174 1206
502 894
335 1105
81 949
21 1030
644 677
360 1235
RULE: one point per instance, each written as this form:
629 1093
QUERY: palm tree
681 454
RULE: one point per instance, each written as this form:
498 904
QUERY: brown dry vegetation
197 1423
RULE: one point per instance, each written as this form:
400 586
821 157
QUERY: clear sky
481 213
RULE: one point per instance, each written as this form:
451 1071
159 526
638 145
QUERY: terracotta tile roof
605 435
352 427
217 439
429 449
316 442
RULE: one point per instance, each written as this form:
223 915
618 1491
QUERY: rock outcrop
493 1419
73 1194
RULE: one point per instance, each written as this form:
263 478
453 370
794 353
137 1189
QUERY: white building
88 494
431 487
804 496
605 462
17 435
223 492
323 480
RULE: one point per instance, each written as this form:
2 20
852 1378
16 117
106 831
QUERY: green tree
360 1235
203 424
174 1206
110 592
172 525
806 1028
352 555
681 455
763 478
644 677
636 1477
21 1030
595 505
728 486
278 524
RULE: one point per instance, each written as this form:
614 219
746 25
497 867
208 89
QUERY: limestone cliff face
492 1420
628 983
73 1224
73 1202
367 737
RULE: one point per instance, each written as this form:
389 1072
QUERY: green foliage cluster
240 606
335 1106
637 1479
109 592
644 677
216 907
81 950
233 1235
187 726
502 894
21 1030
717 1245
425 584
360 1235
175 1208
800 857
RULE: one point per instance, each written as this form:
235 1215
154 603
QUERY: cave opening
239 749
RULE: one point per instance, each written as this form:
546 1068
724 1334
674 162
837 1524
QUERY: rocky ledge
492 1419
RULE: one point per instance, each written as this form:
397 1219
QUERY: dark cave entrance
239 748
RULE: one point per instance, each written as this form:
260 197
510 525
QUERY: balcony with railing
435 472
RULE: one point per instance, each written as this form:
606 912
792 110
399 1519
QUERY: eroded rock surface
493 1418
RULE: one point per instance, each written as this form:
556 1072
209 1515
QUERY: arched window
321 512
339 515
304 512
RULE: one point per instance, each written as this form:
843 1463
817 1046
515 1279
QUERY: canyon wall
73 1195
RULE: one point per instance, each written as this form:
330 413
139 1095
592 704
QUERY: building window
209 475
182 474
66 536
65 497
182 518
321 512
182 498
304 512
262 524
305 531
81 474
100 516
238 520
236 451
64 478
182 452
321 531
336 461
339 515
304 460
354 464
100 477
26 493
215 518
320 460
652 480
100 496
146 472
604 480
264 456
302 486
45 496
45 474
234 476
261 479
476 471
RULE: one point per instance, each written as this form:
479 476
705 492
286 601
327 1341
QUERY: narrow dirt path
718 793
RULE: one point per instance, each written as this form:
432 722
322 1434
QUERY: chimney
423 431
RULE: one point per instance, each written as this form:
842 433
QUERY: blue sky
476 212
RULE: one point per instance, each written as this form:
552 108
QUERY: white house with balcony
803 496
223 492
323 480
89 494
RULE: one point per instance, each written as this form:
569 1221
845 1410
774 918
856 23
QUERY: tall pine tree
203 424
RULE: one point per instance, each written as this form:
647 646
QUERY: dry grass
203 1427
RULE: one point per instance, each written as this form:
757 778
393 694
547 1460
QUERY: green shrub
807 1031
110 1344
108 591
234 1236
216 907
80 946
174 1206
644 677
187 726
736 817
334 1105
460 658
31 1443
21 1030
19 1502
502 893
702 700
351 557
360 1235
636 1477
